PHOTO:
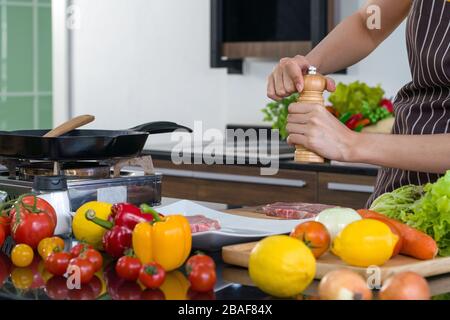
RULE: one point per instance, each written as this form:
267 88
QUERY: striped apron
423 105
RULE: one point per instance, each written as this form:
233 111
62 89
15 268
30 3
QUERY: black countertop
233 283
164 153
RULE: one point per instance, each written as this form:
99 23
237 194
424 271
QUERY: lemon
282 266
364 243
87 231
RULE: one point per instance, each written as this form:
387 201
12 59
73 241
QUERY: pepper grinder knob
314 86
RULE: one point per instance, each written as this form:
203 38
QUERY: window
25 64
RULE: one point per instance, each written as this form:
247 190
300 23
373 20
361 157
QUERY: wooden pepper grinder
315 85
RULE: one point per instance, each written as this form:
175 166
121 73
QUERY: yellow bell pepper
166 240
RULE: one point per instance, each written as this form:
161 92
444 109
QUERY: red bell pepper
387 104
351 123
128 215
117 239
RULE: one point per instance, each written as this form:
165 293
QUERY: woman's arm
424 153
347 44
318 130
352 40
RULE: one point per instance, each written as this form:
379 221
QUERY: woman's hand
315 128
287 78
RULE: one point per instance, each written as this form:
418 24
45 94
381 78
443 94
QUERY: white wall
143 60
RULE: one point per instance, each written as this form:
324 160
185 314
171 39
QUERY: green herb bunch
277 112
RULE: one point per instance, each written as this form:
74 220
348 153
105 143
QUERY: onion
336 219
344 284
405 286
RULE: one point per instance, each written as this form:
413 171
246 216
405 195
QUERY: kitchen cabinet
238 185
344 189
235 185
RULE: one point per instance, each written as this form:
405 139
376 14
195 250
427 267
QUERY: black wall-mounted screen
266 20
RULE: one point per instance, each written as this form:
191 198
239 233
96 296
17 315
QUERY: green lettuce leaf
356 97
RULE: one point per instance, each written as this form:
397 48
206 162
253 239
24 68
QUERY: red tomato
80 247
152 275
86 269
35 221
128 268
56 288
199 259
57 263
94 257
152 294
202 278
5 224
2 236
315 235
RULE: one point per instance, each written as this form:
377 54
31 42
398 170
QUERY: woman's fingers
271 89
300 118
331 85
303 108
279 84
295 128
287 77
294 139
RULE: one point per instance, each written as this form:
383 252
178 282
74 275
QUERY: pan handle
160 127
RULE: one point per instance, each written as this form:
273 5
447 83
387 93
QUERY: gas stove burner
72 170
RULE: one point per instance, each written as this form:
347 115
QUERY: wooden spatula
70 125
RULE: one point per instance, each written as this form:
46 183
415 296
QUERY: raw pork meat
200 223
294 210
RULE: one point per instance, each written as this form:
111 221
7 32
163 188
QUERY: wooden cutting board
239 255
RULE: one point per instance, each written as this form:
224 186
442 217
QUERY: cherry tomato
85 267
152 275
49 245
202 278
128 268
315 235
22 255
80 247
56 288
195 295
152 294
94 257
199 259
57 263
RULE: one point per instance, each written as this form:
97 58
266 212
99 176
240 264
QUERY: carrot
415 243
